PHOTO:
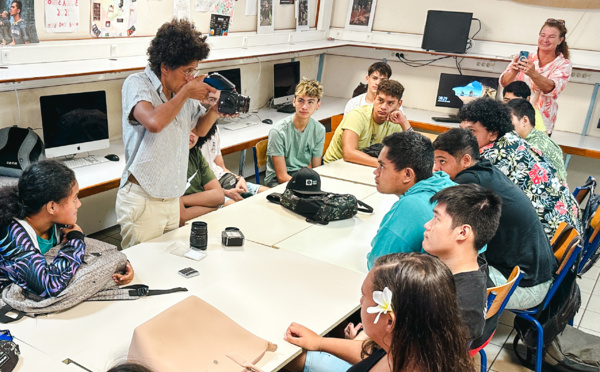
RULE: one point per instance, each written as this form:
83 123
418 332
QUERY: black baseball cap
306 181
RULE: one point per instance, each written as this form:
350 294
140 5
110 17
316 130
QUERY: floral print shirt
527 168
559 71
550 150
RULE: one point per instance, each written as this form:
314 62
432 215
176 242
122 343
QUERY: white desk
253 214
261 288
344 170
31 359
343 243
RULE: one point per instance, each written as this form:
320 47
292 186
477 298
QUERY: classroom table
32 359
347 171
261 288
343 243
267 223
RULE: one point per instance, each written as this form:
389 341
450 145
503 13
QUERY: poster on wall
360 15
265 17
302 12
17 22
113 18
203 5
181 9
219 25
62 15
224 7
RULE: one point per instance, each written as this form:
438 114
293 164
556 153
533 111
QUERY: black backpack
19 148
320 208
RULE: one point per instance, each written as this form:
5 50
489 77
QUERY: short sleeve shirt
158 161
198 173
298 148
550 150
210 150
361 122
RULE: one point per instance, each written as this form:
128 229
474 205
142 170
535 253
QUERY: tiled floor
500 355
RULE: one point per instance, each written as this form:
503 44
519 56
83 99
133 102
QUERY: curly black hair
177 43
209 135
391 88
493 115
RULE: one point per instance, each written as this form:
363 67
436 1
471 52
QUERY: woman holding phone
547 71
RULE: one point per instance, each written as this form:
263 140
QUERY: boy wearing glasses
296 141
160 108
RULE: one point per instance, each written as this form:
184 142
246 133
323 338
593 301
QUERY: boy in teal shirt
405 169
296 141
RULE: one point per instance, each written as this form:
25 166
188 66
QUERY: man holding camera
160 108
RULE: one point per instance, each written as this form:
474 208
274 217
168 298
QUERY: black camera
230 102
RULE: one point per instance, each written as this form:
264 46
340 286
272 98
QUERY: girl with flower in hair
410 317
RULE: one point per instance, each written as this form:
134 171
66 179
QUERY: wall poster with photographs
17 26
113 18
360 15
302 12
265 15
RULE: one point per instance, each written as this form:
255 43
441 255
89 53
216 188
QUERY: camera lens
199 235
243 104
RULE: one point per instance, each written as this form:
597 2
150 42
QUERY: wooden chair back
335 122
503 292
261 153
563 236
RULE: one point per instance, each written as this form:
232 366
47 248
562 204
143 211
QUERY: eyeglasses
556 21
189 73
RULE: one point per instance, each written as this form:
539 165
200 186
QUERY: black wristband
75 234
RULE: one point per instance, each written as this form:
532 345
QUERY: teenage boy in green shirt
203 192
296 141
367 125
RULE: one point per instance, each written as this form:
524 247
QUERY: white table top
343 243
261 288
346 171
253 214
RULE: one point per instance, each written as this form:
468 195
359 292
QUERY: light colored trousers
143 217
522 297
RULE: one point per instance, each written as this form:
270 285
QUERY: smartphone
523 55
188 272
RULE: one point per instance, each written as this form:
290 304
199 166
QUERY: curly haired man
160 108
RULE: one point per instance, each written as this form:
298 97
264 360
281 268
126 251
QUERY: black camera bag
19 148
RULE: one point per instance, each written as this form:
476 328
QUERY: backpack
92 282
9 352
19 148
320 208
573 350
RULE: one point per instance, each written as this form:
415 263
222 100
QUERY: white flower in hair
383 301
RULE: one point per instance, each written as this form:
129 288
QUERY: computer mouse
268 121
112 157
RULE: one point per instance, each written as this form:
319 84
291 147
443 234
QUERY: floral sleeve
22 263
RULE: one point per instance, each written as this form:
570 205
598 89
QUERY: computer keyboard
84 162
446 119
236 125
288 109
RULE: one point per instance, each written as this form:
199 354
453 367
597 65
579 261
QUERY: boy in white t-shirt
377 71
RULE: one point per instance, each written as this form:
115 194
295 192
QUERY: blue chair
572 250
591 243
582 191
497 298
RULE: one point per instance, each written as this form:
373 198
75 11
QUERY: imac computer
234 75
285 78
74 123
455 91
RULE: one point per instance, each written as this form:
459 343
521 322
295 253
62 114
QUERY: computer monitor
74 123
234 75
454 91
285 78
446 31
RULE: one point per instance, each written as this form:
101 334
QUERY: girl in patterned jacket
35 215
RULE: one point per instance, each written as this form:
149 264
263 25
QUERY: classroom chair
335 122
582 191
591 243
259 152
571 250
497 298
